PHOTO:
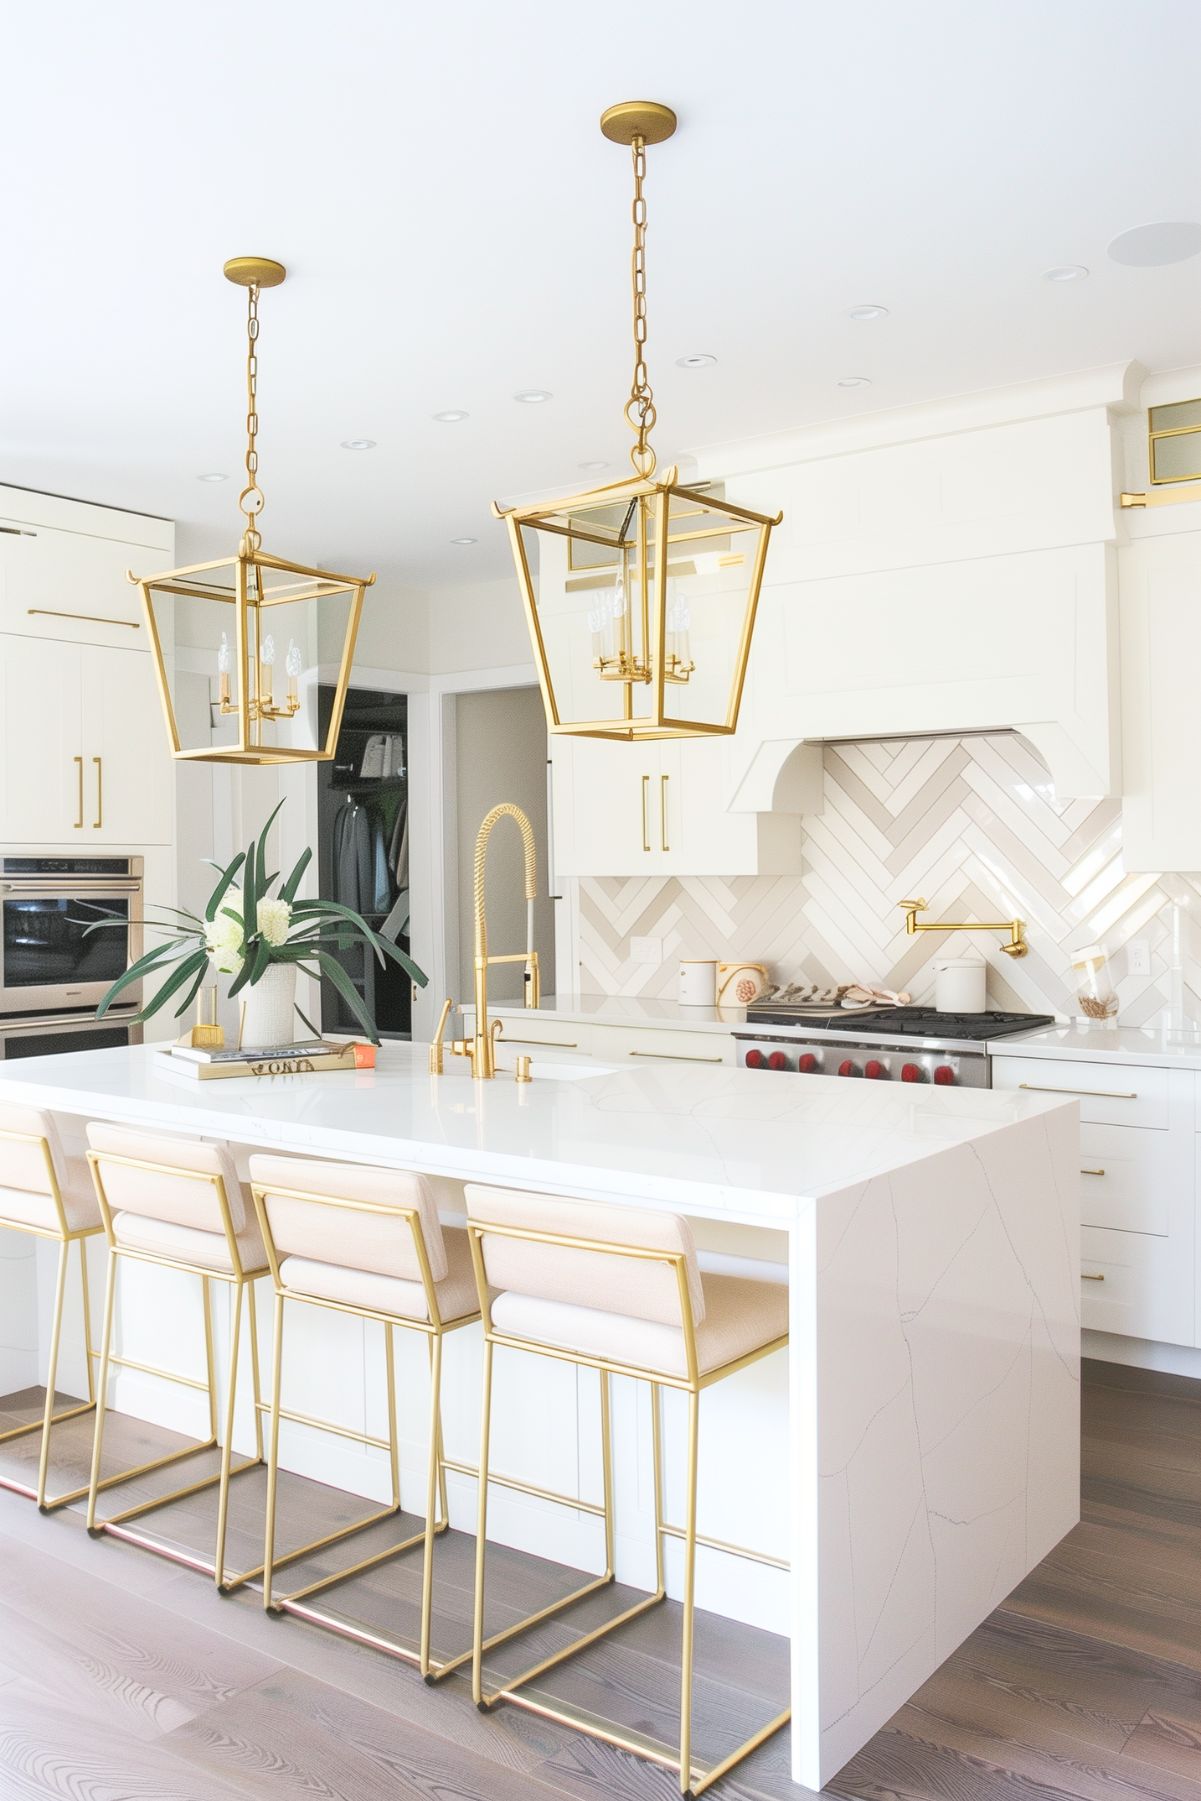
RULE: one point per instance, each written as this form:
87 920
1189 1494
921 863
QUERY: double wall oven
53 971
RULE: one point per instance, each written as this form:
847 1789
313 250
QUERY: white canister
961 985
697 982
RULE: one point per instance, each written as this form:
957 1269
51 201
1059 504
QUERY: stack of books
281 1060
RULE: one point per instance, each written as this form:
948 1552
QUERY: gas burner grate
899 1022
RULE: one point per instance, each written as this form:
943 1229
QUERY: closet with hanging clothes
363 849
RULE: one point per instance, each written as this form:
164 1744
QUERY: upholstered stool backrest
636 1286
331 1229
170 1189
23 1160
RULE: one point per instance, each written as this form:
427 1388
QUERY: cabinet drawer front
1137 1285
635 1045
528 1031
1109 1093
71 587
1126 1177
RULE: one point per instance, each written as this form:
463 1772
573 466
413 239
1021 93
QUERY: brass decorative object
1017 946
207 1034
640 596
248 639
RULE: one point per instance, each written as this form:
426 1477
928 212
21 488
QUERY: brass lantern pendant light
640 596
254 610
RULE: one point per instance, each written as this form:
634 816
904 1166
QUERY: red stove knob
777 1060
848 1068
876 1072
912 1072
944 1075
755 1060
806 1063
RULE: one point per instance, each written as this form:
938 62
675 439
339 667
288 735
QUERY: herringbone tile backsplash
971 823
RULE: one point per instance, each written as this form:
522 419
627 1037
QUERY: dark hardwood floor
126 1678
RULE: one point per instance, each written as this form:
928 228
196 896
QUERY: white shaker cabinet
71 585
661 808
85 760
1160 580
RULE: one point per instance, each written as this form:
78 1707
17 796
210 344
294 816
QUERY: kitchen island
912 1455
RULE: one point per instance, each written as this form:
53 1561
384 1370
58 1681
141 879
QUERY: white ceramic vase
269 1019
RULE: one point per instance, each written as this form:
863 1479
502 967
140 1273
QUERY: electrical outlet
1138 957
646 950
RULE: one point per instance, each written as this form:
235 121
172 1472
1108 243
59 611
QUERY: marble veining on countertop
1150 1046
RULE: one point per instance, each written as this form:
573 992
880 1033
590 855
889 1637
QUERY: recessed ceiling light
1066 272
700 359
452 417
854 381
533 396
358 443
464 540
1151 246
216 476
595 463
868 311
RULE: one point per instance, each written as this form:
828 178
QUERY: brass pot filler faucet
480 1048
1017 946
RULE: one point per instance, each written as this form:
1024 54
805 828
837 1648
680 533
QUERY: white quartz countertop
627 1010
717 1141
1147 1045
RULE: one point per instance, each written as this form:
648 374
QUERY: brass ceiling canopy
272 727
640 596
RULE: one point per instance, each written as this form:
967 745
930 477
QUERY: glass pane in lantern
712 559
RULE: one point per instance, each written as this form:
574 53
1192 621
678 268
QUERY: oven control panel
866 1062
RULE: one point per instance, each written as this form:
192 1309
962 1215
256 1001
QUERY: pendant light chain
251 498
640 408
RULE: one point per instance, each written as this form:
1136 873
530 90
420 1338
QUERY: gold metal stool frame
240 1280
65 1238
437 1518
694 1778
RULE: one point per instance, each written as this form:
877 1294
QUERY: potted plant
261 939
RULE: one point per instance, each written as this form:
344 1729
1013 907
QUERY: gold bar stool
177 1203
617 1290
48 1195
368 1243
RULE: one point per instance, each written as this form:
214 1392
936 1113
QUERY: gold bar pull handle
1087 1275
1091 1094
674 1056
99 819
663 781
646 830
130 625
78 762
1092 1172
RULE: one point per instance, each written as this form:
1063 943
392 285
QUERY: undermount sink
544 1069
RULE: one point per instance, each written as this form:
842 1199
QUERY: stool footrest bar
527 1488
722 1544
153 1369
308 1419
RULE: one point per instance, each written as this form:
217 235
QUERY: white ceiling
456 229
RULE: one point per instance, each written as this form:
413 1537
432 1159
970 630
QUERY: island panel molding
974 824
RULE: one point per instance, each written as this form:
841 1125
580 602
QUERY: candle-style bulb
295 662
267 651
224 659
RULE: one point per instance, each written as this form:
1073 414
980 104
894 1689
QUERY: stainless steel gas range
887 1044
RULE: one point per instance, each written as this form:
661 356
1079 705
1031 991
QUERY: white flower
273 918
223 935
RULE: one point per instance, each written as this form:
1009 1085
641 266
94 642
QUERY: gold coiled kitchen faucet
480 1048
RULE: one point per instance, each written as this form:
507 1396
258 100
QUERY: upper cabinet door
41 743
129 773
71 586
611 825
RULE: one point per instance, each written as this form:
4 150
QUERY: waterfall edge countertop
706 1140
914 1452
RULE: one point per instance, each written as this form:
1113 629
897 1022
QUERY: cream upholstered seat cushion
394 1295
26 1195
355 1216
189 1244
741 1315
165 1197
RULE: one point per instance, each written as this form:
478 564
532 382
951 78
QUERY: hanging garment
353 874
375 757
381 875
398 847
